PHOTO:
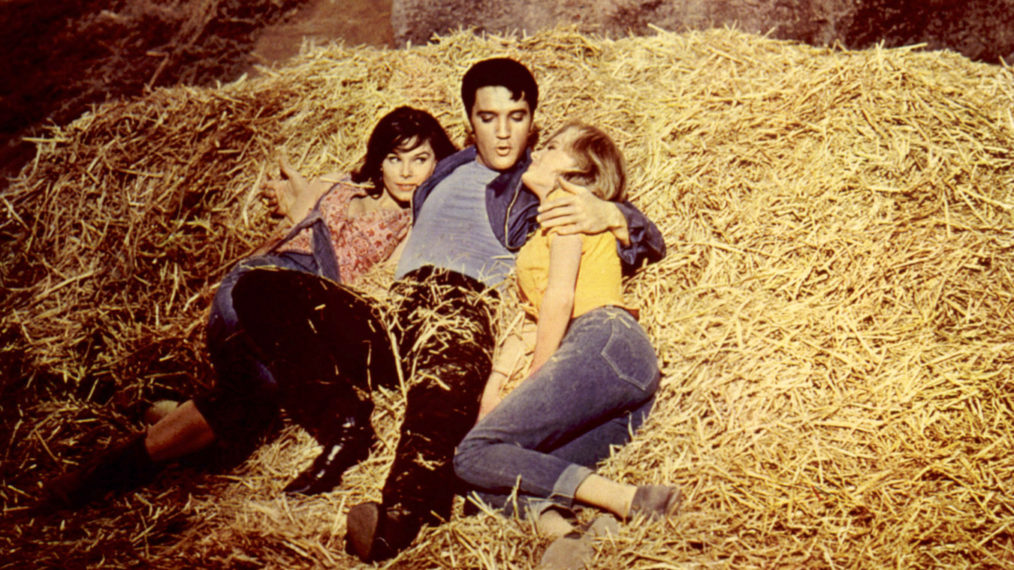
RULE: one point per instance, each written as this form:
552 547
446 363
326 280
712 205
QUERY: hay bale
833 318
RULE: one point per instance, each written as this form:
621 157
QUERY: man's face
501 127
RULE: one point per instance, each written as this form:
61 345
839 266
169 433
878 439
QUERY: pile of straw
833 320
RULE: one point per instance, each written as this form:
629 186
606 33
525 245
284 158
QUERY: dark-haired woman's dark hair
500 72
404 128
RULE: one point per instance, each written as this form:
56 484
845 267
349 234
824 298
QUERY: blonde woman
593 374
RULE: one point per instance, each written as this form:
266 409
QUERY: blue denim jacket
512 210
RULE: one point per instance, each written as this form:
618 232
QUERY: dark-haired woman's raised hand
292 195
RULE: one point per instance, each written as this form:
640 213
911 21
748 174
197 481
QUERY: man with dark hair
470 218
503 72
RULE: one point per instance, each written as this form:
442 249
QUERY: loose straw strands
833 317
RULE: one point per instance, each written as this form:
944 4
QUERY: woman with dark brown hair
345 227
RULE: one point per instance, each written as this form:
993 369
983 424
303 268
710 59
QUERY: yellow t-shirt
599 277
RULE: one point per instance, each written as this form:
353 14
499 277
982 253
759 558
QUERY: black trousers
444 322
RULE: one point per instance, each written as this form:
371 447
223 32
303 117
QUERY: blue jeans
545 436
243 401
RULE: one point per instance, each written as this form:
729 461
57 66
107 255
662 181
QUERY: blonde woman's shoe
575 549
655 501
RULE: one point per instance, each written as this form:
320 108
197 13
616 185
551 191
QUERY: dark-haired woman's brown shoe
121 468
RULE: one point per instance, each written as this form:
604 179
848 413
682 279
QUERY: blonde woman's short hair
600 165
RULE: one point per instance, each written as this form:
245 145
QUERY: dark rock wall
980 29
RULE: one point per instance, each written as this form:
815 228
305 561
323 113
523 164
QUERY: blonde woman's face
549 162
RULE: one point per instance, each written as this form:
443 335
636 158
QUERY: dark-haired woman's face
404 170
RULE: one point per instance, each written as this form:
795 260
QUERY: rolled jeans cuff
564 489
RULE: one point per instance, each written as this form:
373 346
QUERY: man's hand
580 211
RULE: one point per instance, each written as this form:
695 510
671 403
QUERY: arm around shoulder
645 241
580 211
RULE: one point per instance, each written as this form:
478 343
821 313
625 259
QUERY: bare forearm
491 393
554 316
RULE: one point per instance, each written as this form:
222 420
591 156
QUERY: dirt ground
67 55
366 22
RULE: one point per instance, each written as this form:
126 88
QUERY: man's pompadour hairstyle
500 72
